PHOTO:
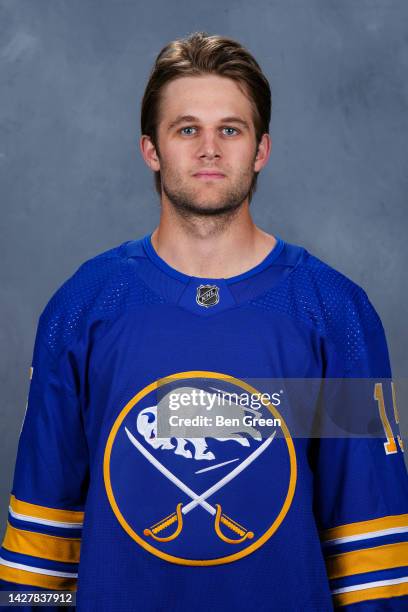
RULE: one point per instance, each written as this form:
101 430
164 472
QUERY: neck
211 247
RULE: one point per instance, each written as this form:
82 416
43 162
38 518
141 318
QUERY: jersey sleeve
42 541
361 488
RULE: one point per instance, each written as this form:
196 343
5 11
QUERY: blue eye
187 128
189 131
230 128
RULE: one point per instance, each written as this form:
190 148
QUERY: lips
209 174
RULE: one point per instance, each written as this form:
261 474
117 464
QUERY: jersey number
390 445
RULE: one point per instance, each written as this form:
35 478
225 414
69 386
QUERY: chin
209 209
207 202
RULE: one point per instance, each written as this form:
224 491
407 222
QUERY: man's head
206 107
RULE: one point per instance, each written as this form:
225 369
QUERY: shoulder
348 320
324 299
99 289
338 307
317 292
335 296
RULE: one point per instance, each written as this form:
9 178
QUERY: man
152 451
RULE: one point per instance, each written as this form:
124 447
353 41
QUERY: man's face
206 127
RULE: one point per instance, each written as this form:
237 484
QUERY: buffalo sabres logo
195 498
207 295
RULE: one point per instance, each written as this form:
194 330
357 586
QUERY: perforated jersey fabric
315 294
102 505
103 286
330 302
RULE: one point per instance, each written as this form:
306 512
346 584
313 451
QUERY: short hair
200 54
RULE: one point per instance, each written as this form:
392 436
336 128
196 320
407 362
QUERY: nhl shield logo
196 499
207 295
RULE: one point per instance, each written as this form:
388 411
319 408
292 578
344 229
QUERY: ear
263 152
149 153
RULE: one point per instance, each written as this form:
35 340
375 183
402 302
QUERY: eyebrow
188 118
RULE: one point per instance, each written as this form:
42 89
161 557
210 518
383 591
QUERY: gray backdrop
73 183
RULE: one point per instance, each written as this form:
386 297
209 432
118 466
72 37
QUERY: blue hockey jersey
108 503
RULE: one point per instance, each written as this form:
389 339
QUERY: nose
209 145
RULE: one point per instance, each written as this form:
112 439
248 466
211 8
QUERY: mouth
209 175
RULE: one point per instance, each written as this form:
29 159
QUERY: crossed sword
199 500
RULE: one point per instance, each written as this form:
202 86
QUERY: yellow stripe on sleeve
360 528
351 597
19 576
43 512
42 545
367 560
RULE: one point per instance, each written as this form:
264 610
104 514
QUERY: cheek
182 157
174 167
247 155
238 154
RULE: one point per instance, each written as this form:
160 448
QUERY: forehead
204 95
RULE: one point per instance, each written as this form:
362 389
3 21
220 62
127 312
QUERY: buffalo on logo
147 426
